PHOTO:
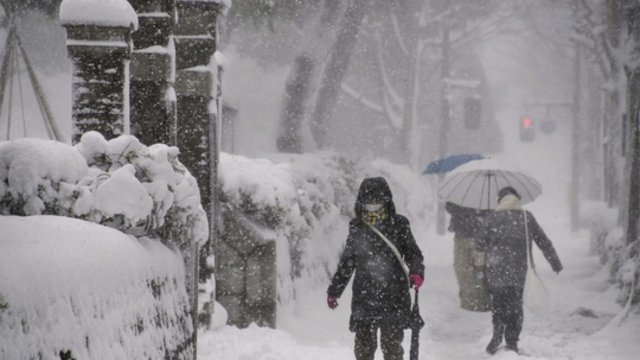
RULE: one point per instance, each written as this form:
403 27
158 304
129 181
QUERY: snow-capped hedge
90 292
308 200
120 183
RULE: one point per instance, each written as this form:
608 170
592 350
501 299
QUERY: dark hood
374 190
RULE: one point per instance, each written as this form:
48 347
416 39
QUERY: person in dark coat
467 224
504 244
381 298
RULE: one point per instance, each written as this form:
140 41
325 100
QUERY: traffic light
547 126
472 113
527 129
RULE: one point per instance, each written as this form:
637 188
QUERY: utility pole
444 120
574 205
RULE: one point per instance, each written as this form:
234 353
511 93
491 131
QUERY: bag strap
527 242
393 248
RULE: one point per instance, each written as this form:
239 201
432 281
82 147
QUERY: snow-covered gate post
197 109
246 270
99 45
152 96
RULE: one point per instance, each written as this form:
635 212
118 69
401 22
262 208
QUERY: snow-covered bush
308 200
608 242
120 183
601 221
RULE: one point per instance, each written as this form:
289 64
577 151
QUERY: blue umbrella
450 162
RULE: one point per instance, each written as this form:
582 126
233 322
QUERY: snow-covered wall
145 193
72 287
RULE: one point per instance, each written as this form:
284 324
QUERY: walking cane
416 324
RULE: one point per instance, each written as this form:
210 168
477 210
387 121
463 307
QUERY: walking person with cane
382 255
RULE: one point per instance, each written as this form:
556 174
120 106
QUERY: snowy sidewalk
582 304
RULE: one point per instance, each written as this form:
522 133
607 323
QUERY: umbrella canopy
476 184
449 163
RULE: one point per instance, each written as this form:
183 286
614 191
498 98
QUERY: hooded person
505 246
381 298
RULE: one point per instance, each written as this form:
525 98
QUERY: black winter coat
380 286
504 245
466 222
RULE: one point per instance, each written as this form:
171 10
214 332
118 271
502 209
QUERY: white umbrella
476 184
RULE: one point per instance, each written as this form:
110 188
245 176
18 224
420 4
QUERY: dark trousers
507 312
366 342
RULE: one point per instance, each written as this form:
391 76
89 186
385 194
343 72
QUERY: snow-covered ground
581 322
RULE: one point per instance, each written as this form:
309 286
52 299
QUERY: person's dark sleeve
346 266
409 248
451 207
542 241
466 221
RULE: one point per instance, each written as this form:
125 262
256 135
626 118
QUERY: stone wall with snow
85 291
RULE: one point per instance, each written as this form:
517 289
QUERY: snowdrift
88 291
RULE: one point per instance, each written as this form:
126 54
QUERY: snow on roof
116 13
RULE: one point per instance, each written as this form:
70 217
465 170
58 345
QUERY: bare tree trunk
633 212
410 82
633 106
612 113
335 69
296 94
612 148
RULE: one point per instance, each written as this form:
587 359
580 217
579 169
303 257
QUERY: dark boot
513 346
496 340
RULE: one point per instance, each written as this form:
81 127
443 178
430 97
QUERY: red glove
332 302
415 280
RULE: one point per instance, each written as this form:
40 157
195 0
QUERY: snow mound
72 287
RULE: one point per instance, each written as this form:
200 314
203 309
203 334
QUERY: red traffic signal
527 129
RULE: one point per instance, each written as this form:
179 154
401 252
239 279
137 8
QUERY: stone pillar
194 45
99 48
197 130
246 272
152 96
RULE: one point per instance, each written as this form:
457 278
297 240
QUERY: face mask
374 214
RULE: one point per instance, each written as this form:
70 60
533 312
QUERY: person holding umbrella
506 246
382 255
